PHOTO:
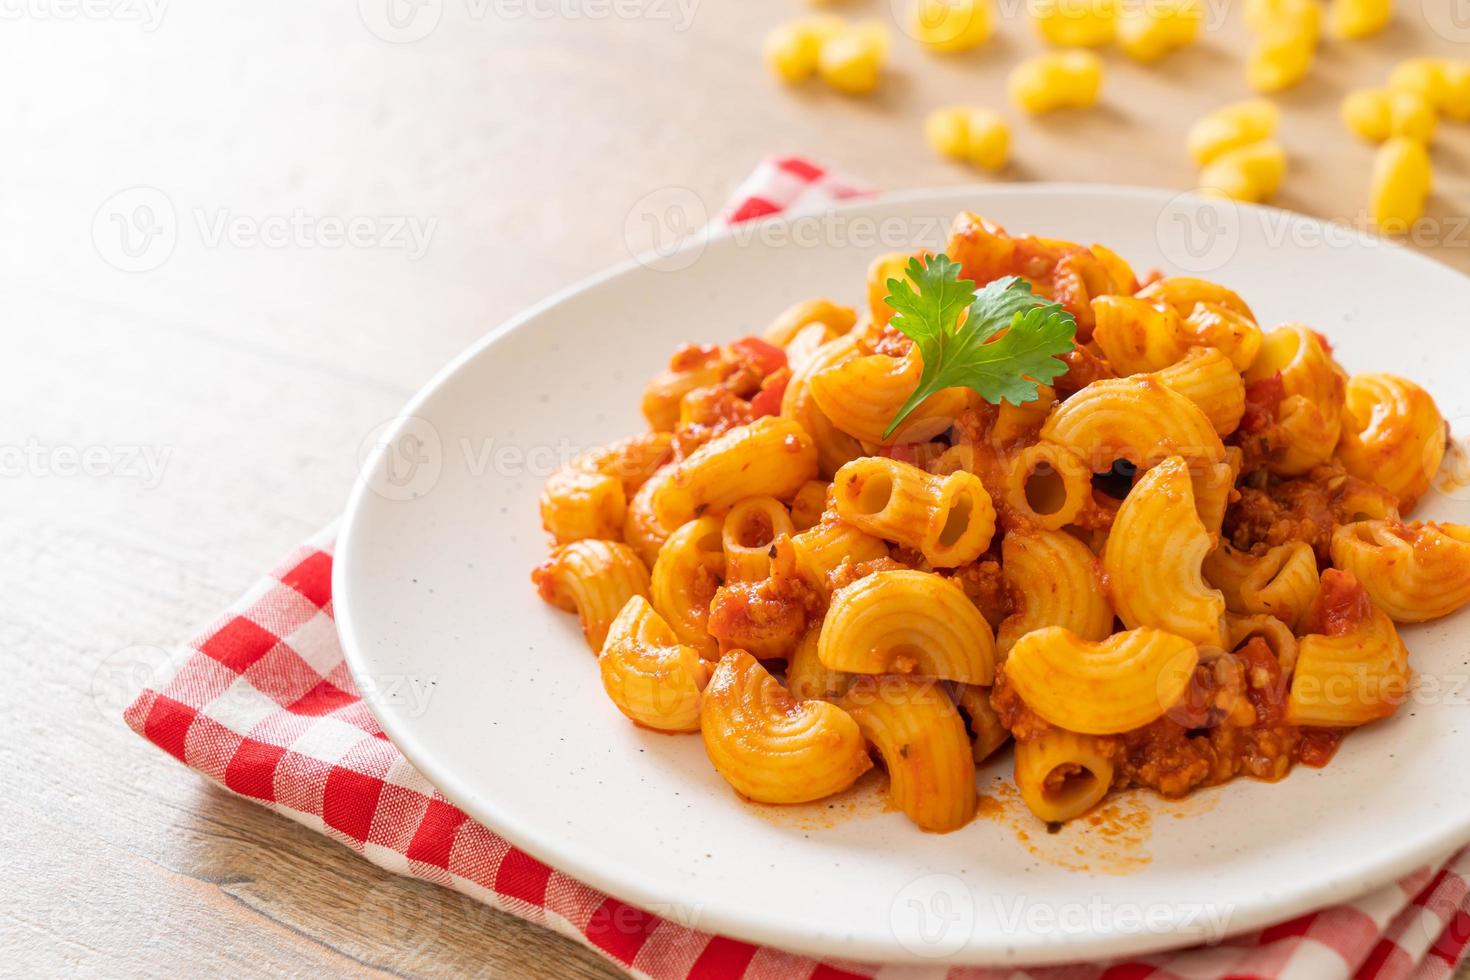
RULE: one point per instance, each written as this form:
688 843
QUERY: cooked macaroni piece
1185 293
1062 774
652 677
1227 329
1179 563
1351 666
1413 572
1047 485
834 447
1137 419
1137 336
861 396
1206 377
907 622
1281 582
948 519
1214 488
689 568
808 504
1053 580
749 537
916 729
1276 635
772 747
807 678
641 529
1392 434
594 579
826 548
1103 688
1154 556
987 734
1312 389
589 497
837 320
771 456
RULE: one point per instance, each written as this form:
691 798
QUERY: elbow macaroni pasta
1280 583
1054 580
771 747
1206 377
907 622
1392 434
1154 556
652 677
771 455
988 733
1047 485
1104 688
589 497
834 447
861 396
917 730
949 519
689 568
1413 572
594 579
1356 672
1138 419
1062 775
1180 563
749 537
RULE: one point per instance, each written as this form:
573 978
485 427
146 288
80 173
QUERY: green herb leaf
968 354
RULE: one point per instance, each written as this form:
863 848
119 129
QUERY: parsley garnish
969 354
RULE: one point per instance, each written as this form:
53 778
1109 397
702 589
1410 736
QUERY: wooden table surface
217 382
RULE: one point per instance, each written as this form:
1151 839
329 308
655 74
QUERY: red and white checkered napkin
262 703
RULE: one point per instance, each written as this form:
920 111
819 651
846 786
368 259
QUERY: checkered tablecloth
262 703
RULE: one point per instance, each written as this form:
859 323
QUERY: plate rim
1391 864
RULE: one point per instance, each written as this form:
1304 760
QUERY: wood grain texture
249 371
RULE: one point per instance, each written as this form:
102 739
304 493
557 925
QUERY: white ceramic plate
495 697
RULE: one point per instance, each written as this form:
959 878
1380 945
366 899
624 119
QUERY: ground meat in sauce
849 571
1083 368
983 582
705 414
765 618
1230 722
1272 511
